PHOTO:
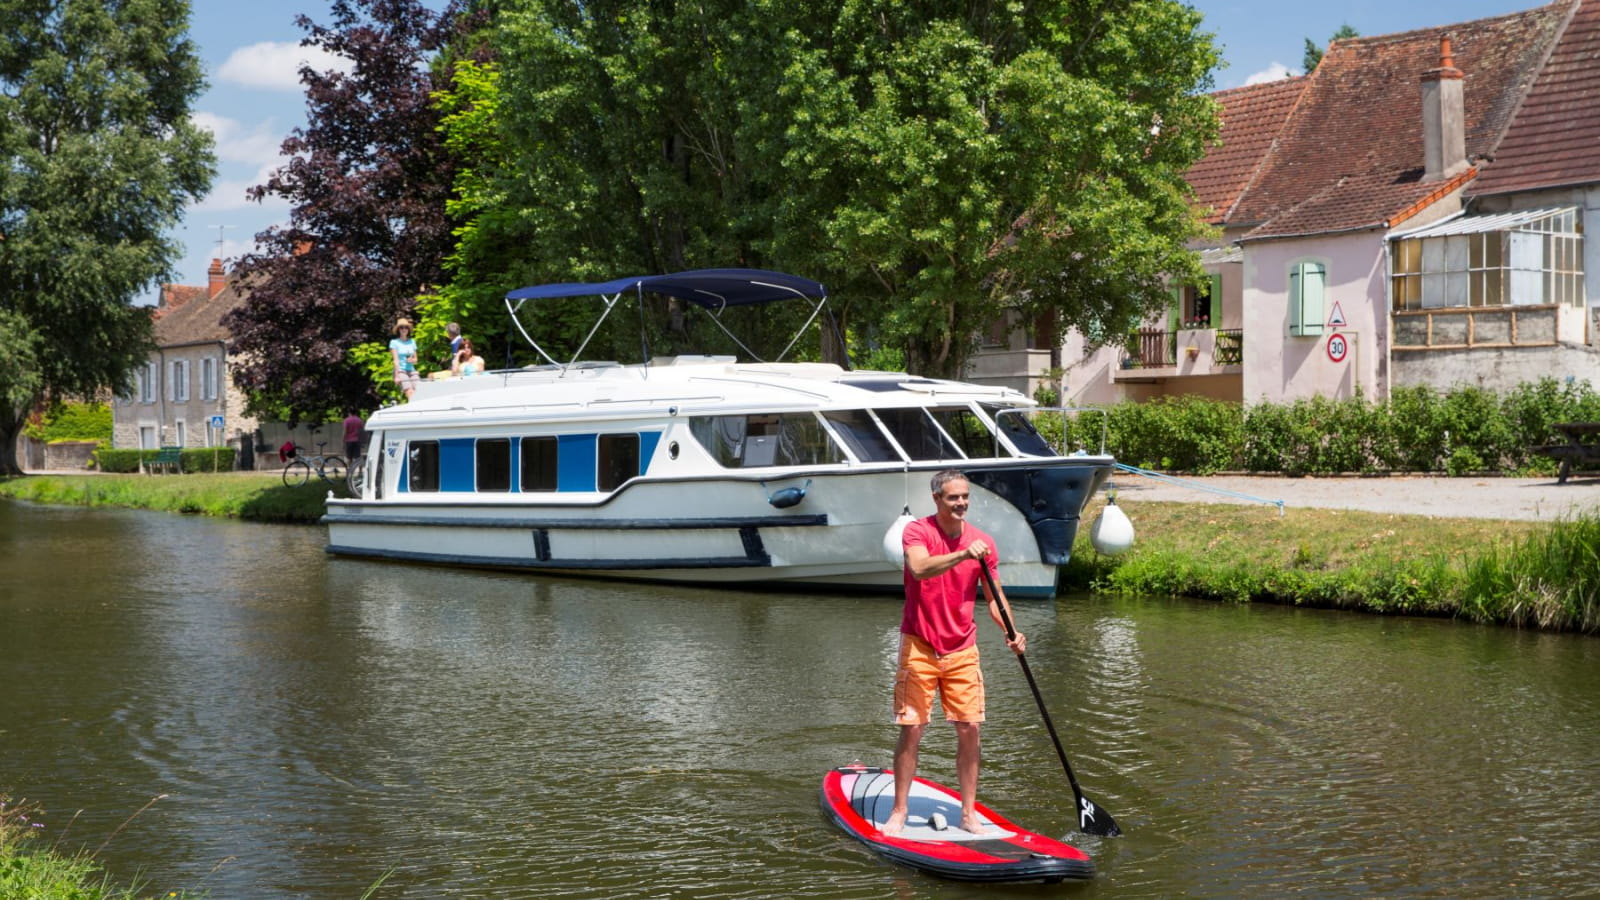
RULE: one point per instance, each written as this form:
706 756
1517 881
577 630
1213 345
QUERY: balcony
1153 354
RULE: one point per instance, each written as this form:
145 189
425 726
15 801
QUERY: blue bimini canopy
710 288
713 289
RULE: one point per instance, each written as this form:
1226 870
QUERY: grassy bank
1528 574
239 495
31 867
1544 575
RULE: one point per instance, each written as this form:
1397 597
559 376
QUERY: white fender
894 550
1112 533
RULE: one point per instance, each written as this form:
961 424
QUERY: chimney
1444 129
216 278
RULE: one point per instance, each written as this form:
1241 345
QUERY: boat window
619 460
538 464
916 433
862 435
968 430
1020 430
494 464
772 439
422 465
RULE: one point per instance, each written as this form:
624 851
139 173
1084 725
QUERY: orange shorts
956 678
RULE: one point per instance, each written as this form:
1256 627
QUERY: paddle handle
1092 819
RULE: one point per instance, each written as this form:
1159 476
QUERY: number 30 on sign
1338 347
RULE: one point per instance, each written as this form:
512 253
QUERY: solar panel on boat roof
884 385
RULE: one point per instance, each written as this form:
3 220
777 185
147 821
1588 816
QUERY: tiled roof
1251 118
1351 154
175 295
1553 139
199 320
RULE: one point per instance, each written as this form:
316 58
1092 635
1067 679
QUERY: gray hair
942 478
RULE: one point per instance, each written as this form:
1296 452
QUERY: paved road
1483 498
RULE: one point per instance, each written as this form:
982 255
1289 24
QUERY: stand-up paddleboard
858 798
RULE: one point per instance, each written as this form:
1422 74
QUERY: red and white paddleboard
858 799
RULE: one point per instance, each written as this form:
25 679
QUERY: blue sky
251 55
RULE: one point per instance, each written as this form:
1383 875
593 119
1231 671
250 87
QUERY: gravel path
1480 498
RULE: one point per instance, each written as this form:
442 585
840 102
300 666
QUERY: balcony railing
1157 348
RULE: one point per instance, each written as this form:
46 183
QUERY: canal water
310 724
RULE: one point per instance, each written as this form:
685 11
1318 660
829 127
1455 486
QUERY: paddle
1092 818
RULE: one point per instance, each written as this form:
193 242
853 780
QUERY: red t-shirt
939 609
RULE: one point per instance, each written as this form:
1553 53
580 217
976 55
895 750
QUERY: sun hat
403 323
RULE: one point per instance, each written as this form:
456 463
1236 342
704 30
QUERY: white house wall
1279 367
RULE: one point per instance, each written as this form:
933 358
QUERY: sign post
216 446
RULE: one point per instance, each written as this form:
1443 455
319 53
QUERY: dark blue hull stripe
759 560
582 524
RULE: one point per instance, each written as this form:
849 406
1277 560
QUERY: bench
170 457
1580 449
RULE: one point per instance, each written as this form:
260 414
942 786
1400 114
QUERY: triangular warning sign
1337 319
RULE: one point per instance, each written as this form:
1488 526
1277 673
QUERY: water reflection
317 722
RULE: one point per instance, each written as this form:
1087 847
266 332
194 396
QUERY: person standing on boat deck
938 641
403 350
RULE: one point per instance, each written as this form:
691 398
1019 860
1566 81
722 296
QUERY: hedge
193 459
1459 431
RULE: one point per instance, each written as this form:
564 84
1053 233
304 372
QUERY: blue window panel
516 465
456 465
405 474
576 459
647 448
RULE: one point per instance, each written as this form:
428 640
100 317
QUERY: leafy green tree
1313 53
100 158
934 163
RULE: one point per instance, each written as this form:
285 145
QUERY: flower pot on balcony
1193 352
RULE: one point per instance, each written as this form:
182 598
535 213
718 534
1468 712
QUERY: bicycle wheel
333 469
356 479
296 473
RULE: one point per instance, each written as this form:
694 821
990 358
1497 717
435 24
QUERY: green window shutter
1175 307
1215 312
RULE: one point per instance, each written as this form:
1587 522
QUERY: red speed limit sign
1337 347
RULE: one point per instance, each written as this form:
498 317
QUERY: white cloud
229 194
1277 71
255 145
275 65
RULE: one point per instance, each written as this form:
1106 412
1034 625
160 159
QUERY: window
967 430
619 460
1307 285
147 383
422 464
181 433
789 439
147 437
208 379
1016 426
494 464
915 432
538 464
1532 257
1199 307
180 381
862 435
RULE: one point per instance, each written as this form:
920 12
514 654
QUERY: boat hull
728 530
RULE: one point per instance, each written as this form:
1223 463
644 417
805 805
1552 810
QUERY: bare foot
896 823
974 825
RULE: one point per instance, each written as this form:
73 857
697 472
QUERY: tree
935 163
100 159
368 179
1313 53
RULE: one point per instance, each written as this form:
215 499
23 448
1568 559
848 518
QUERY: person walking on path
403 350
353 426
938 641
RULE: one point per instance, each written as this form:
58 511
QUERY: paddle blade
1094 820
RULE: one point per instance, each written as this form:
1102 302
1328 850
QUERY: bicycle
331 469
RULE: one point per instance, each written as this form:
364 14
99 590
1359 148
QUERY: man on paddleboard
939 641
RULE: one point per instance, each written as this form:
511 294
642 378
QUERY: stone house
184 396
1413 211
